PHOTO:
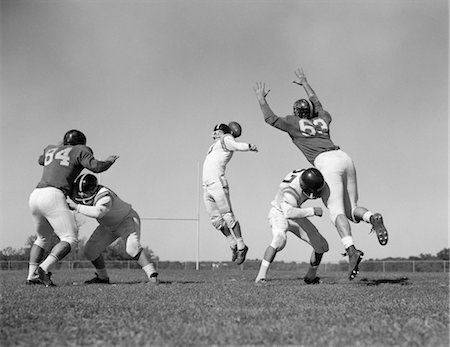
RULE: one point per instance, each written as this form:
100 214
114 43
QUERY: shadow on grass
374 282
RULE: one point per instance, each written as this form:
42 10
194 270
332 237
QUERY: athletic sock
102 273
149 269
240 243
49 263
347 241
263 269
232 241
31 269
366 216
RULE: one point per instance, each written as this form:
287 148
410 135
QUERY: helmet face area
219 130
85 188
303 109
74 137
312 183
236 129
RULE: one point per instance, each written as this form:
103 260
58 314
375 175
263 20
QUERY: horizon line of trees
116 251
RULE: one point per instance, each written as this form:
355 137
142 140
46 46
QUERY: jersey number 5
62 155
311 128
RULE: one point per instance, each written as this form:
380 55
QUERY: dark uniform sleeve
273 120
88 161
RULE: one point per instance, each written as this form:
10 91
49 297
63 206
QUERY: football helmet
85 188
312 183
236 129
220 129
74 137
304 108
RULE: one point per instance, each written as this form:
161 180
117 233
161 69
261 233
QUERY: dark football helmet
85 188
223 127
312 183
236 129
304 108
220 129
74 137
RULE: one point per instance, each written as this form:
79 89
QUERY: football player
51 214
309 129
116 219
216 193
287 215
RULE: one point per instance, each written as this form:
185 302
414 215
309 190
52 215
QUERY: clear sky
148 80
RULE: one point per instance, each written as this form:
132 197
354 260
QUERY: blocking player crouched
287 215
116 219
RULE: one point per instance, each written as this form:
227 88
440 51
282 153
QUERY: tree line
116 251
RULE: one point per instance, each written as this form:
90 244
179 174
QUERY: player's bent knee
230 220
71 240
218 223
133 250
42 243
279 242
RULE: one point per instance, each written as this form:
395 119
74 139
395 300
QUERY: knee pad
217 223
229 219
133 247
42 243
323 247
279 241
71 240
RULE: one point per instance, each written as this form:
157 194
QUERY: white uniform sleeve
101 207
231 144
290 211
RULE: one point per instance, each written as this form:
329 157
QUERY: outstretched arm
232 145
269 117
302 81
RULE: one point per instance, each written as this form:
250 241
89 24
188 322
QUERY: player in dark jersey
309 129
50 211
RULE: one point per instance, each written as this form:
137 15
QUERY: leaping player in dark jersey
309 128
50 211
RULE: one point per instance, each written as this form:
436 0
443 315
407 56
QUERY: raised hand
301 77
260 90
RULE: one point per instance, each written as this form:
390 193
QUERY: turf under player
116 219
308 128
216 194
287 215
51 214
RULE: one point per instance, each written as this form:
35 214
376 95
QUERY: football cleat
241 253
33 281
378 227
315 280
97 280
260 281
153 279
354 258
44 278
234 255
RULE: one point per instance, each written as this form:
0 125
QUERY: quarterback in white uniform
287 215
116 219
216 194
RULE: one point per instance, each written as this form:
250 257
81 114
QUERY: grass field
225 307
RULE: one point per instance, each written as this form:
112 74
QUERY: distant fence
368 265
